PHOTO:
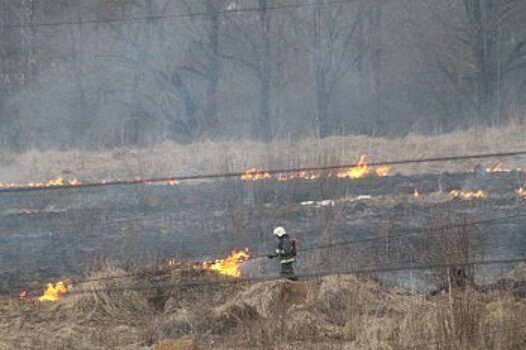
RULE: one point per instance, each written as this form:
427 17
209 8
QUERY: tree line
109 73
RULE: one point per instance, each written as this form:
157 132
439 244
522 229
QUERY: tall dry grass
332 312
170 159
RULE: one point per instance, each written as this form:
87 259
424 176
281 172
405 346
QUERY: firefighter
286 252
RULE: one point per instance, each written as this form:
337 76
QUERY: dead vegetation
332 312
170 159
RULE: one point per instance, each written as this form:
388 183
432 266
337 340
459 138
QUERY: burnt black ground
52 234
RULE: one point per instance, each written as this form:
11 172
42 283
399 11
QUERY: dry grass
168 159
333 312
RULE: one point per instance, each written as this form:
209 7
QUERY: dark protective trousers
287 271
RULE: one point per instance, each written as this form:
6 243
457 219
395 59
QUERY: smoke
286 72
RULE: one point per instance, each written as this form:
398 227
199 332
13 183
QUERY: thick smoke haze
92 74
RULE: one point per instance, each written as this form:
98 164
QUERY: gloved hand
271 256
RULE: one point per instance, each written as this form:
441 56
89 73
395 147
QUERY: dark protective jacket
286 250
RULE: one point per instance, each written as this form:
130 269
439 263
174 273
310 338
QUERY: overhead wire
175 15
306 276
316 247
406 232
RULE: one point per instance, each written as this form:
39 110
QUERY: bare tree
175 84
329 39
496 50
487 21
370 64
250 45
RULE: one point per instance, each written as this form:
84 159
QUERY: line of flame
228 266
468 194
361 169
58 181
497 168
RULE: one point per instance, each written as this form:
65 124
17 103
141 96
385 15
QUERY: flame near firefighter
228 266
415 193
468 194
53 292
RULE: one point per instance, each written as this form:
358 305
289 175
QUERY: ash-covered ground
50 234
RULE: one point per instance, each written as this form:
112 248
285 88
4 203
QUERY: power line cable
406 232
324 246
165 180
370 270
165 270
341 243
175 15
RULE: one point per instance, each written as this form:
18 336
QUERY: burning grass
330 312
467 195
228 266
167 159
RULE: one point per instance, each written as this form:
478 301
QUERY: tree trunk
322 94
375 21
263 130
212 10
81 121
484 49
322 99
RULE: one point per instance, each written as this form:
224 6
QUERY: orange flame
172 182
468 194
172 262
360 170
56 182
228 266
416 194
255 175
497 168
53 292
74 182
521 192
382 171
306 175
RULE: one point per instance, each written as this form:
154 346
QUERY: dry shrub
261 300
304 323
96 319
341 297
173 324
333 312
363 314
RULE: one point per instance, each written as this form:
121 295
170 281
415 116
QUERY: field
169 159
341 224
332 312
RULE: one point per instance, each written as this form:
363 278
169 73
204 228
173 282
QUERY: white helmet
279 231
